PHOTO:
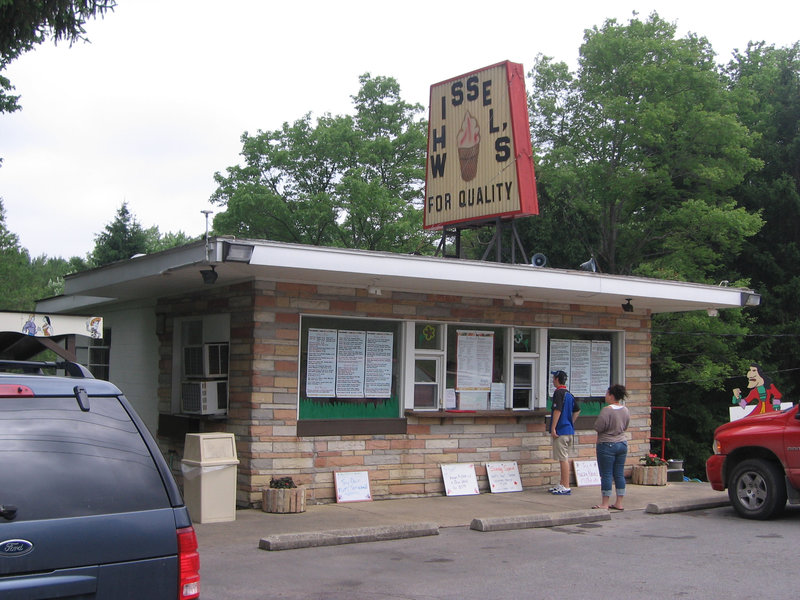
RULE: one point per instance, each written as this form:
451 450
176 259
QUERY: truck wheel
757 489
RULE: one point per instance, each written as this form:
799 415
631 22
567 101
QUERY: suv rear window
58 461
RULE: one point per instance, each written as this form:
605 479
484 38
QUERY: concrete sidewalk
329 524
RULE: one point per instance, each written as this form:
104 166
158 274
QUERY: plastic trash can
209 476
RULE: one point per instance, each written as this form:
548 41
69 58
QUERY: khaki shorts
561 446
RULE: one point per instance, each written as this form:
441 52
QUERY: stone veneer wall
265 329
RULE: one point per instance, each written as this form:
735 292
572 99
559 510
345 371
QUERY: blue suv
88 506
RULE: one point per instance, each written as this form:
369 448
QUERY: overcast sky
157 102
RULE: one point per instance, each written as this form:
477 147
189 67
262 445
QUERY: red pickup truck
758 459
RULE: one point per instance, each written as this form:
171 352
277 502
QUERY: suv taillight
13 390
188 565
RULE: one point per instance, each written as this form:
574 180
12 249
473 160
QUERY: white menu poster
601 367
475 359
350 351
579 382
559 360
378 364
321 368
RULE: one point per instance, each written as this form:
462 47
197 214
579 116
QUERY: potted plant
283 496
652 470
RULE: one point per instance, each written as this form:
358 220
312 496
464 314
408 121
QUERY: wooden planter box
288 500
643 475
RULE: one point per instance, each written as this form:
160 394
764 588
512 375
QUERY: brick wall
265 330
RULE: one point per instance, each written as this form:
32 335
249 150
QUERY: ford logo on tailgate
15 547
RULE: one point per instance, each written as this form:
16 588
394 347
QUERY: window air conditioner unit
207 360
204 397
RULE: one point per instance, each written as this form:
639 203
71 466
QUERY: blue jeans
611 464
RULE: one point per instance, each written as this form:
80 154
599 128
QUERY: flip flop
598 506
612 507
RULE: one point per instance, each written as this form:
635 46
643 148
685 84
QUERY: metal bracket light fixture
209 275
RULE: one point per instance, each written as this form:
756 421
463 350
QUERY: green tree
156 241
640 152
26 23
121 239
381 192
637 144
14 266
342 181
23 280
766 82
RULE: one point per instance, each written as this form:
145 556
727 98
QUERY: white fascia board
496 280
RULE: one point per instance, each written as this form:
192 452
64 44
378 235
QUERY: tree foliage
125 237
766 83
26 23
24 280
640 154
120 240
640 142
350 181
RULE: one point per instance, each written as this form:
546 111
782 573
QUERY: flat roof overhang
178 271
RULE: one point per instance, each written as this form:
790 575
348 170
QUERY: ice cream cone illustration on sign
469 142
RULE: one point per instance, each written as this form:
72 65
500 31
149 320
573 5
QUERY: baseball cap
560 374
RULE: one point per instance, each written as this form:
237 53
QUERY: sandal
599 506
612 507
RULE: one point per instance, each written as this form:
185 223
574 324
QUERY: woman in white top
612 446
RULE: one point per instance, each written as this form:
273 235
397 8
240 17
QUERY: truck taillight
188 565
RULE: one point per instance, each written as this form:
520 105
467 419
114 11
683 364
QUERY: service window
475 366
427 382
525 376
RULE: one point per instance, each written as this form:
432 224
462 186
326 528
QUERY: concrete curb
664 508
539 520
291 541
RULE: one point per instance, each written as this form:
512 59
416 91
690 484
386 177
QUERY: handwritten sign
503 477
586 472
460 479
352 486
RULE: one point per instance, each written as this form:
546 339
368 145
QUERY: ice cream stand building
327 360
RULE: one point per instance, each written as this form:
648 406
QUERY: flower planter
643 475
286 500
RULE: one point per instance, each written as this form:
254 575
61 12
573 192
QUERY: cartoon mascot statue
762 390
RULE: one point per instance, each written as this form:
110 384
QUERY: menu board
587 364
497 397
352 486
378 364
503 477
580 367
321 368
586 472
350 350
559 359
460 479
601 367
475 359
349 364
